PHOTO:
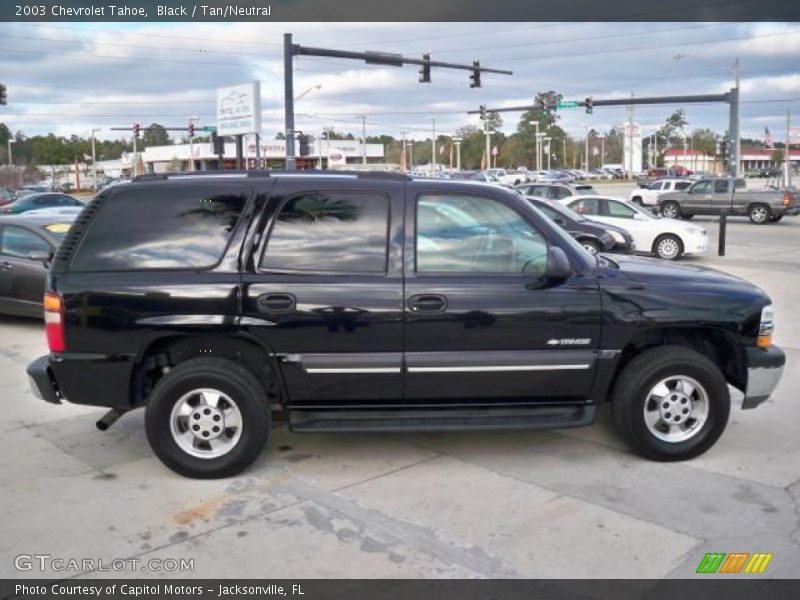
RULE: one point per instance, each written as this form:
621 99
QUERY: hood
689 278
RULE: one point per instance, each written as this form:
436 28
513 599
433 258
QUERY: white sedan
666 238
649 196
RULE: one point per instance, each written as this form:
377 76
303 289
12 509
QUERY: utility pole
94 161
10 141
433 146
538 165
288 98
736 116
135 168
457 142
363 139
411 154
488 150
787 157
564 155
403 153
586 141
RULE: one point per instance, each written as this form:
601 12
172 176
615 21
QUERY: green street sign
208 129
568 104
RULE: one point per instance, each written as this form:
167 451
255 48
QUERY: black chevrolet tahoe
374 302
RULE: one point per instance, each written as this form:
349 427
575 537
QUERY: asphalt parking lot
567 503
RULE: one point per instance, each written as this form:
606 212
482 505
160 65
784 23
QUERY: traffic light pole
290 50
731 98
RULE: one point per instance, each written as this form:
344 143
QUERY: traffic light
191 129
303 145
476 74
218 143
136 129
483 112
589 105
3 95
425 70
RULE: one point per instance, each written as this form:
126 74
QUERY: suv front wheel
670 403
208 418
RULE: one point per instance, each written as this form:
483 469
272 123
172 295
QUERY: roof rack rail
386 175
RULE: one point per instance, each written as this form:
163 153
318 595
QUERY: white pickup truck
508 177
649 196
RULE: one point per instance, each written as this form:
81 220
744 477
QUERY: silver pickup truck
714 195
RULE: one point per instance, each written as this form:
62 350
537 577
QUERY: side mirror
558 270
639 217
560 222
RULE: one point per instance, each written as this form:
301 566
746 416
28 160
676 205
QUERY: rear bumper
764 370
91 379
41 380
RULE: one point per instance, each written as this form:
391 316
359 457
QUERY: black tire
637 200
639 377
673 208
233 380
759 214
668 247
687 217
775 218
591 246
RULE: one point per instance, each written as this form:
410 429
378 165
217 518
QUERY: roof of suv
256 173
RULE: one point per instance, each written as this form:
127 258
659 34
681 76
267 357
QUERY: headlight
616 235
766 327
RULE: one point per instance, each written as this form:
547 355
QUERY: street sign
208 129
568 104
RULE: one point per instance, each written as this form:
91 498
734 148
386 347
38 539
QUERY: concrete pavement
569 503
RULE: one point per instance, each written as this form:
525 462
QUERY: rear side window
20 242
720 186
682 185
161 228
345 232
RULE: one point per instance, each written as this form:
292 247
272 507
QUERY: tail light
54 322
787 199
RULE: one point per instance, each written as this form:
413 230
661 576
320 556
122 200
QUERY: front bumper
43 384
764 370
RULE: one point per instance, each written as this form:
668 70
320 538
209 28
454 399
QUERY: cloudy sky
67 78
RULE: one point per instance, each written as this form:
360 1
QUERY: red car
6 197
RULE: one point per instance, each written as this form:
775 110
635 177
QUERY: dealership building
752 158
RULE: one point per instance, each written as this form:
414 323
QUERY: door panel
22 279
325 292
494 339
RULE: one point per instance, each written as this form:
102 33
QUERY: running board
456 419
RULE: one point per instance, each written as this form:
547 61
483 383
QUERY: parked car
27 245
770 172
6 196
479 176
594 237
212 301
717 194
557 177
600 174
669 239
55 210
649 196
506 177
39 200
555 191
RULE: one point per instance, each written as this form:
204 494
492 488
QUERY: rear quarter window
166 227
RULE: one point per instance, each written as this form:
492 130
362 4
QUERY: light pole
308 91
538 161
363 139
602 139
94 161
547 149
457 142
192 119
433 146
10 141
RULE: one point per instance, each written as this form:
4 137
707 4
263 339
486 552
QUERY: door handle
427 303
276 303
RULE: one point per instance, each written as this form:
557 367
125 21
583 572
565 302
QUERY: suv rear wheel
760 214
670 403
671 210
207 418
591 246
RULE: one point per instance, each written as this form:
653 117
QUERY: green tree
155 135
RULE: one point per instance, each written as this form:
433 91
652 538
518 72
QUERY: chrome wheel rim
669 211
206 423
676 409
668 248
759 214
590 249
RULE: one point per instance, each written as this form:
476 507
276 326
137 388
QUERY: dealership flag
768 141
441 149
494 151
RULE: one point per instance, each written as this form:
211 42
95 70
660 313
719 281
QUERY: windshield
642 211
566 239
